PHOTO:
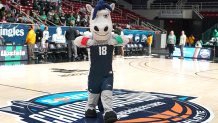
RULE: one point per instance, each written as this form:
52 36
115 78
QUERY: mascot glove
87 41
90 42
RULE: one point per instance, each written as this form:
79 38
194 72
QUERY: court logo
204 53
131 107
69 73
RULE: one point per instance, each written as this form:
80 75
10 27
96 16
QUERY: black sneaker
90 113
110 117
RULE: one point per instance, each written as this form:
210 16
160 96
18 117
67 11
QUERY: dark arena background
159 77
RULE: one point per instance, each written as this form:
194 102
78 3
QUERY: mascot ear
89 8
112 6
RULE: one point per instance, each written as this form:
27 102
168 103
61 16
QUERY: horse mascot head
100 20
100 27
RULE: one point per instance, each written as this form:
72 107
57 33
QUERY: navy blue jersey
101 59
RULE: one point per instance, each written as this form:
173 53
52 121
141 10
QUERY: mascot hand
83 41
119 40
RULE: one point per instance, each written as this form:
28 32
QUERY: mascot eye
105 16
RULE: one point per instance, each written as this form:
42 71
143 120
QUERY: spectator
59 6
78 19
42 26
2 12
41 7
24 18
118 49
71 20
38 35
11 18
47 7
191 40
85 21
83 51
35 5
187 42
43 17
63 19
45 39
182 43
31 40
70 37
19 19
50 15
56 19
171 41
149 42
4 20
215 33
55 6
83 10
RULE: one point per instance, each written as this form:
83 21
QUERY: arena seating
211 14
203 4
134 49
57 51
207 7
118 16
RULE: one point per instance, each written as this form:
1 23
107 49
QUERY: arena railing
38 17
153 27
20 10
187 5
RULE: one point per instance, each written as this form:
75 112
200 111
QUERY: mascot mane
101 5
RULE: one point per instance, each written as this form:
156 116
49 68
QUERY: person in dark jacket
39 35
70 37
82 51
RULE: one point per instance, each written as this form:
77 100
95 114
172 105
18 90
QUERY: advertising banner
17 33
139 36
171 14
14 32
197 53
13 53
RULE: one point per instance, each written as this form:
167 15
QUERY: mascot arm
83 41
119 40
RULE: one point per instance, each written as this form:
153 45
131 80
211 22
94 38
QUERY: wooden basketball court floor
171 76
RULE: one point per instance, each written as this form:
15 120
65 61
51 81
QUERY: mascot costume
101 44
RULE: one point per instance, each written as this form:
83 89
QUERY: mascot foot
90 113
110 117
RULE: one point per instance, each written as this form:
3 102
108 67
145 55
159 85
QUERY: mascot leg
107 101
91 104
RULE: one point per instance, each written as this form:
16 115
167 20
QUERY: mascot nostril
106 29
96 29
100 80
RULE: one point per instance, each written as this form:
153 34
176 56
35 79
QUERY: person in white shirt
182 43
45 39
